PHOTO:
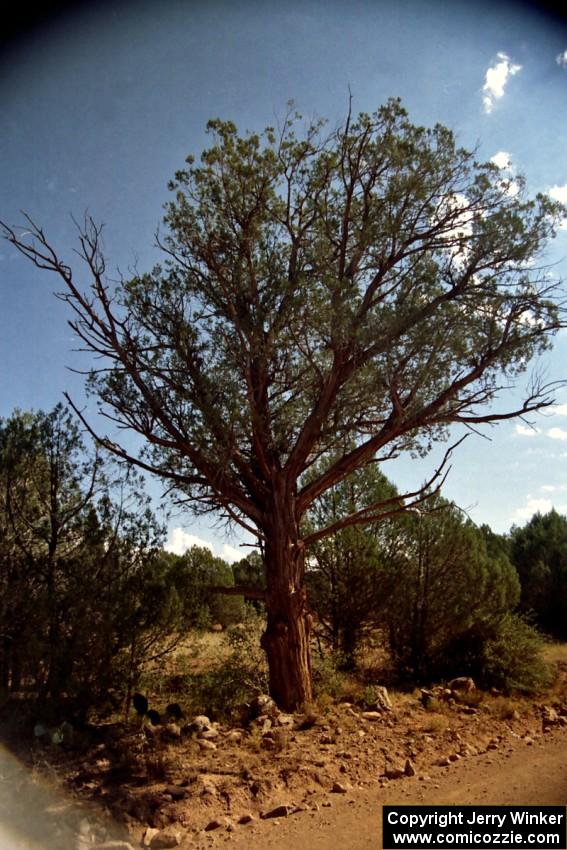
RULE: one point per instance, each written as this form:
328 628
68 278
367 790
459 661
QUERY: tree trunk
286 639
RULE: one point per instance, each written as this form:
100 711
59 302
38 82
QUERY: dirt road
517 774
35 817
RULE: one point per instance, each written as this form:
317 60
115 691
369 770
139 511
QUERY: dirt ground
326 774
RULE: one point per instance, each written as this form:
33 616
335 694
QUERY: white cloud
557 433
561 59
553 488
510 185
559 193
230 554
502 160
533 506
558 410
179 540
495 80
526 431
457 206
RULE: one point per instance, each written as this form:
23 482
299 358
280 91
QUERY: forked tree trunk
286 639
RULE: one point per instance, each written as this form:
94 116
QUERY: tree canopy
539 553
364 287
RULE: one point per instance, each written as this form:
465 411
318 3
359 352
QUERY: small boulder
176 792
383 701
277 812
462 685
165 839
149 834
394 773
263 706
371 715
409 769
208 734
200 723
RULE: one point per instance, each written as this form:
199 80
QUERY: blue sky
101 104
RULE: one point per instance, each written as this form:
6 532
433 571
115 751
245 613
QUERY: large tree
539 553
363 287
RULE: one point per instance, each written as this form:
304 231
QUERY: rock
262 706
206 745
287 720
200 723
277 812
409 769
217 627
150 833
468 709
176 792
339 788
208 734
371 715
207 786
235 735
462 685
213 824
549 716
443 762
113 845
383 700
326 739
246 818
394 773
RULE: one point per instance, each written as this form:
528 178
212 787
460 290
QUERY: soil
330 776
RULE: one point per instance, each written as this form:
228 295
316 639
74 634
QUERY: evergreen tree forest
89 597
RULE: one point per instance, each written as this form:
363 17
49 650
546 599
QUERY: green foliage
239 674
336 296
347 583
193 574
512 658
330 681
85 600
449 593
539 553
251 572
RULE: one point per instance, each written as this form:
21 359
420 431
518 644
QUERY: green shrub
330 681
221 690
513 657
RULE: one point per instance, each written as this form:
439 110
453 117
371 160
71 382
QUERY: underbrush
218 677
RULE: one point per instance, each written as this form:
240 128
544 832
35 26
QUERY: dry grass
504 708
555 653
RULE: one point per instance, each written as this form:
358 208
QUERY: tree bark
286 639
